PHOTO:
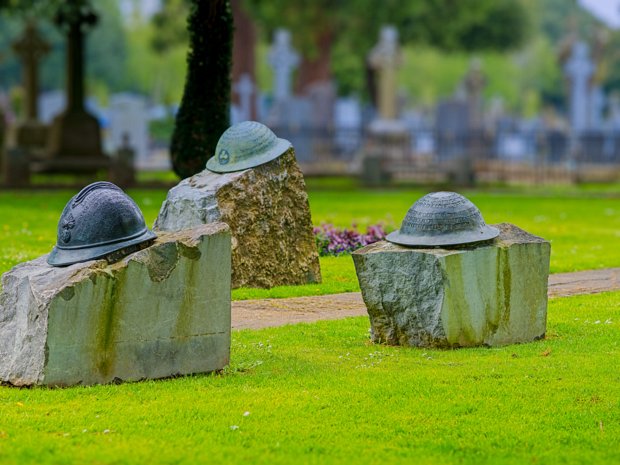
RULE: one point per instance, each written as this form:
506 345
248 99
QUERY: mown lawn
321 393
582 223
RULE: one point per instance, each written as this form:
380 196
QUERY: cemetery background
515 127
322 391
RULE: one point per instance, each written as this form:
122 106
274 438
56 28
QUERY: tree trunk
204 113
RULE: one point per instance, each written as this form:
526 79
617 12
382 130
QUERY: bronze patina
442 219
99 220
246 145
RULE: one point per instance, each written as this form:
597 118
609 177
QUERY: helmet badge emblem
223 157
67 225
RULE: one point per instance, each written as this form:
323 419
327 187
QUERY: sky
607 11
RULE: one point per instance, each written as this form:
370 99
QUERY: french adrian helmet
99 220
246 145
442 219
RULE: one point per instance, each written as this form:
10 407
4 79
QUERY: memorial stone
259 191
129 118
579 69
283 60
245 90
492 292
75 134
161 311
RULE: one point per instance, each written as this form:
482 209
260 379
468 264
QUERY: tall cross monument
75 132
385 58
31 48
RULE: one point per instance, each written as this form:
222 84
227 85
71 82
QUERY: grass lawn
321 393
582 223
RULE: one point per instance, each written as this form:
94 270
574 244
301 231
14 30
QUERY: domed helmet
246 145
99 220
440 219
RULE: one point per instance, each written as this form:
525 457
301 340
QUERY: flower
334 241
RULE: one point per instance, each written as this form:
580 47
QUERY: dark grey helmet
99 220
440 219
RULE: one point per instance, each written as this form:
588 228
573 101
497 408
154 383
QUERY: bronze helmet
442 219
246 145
99 220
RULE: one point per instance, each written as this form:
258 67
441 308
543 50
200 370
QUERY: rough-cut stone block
489 294
268 213
158 312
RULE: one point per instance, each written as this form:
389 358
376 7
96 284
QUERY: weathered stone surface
268 213
490 294
161 311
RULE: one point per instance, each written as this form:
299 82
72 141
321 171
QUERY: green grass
582 223
321 393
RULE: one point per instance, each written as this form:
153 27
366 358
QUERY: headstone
493 293
388 138
283 60
347 125
597 105
31 48
30 134
123 172
474 83
159 312
51 104
244 88
76 134
579 69
129 117
385 58
267 210
452 123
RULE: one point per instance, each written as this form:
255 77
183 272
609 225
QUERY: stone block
269 216
492 294
159 312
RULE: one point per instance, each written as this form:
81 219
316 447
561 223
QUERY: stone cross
385 58
474 83
75 19
597 104
245 89
579 69
31 48
283 60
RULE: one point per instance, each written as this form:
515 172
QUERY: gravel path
264 313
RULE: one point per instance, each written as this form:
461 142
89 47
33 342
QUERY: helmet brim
280 148
68 256
456 238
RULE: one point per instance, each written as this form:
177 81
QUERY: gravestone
129 117
452 122
265 205
490 293
30 134
388 137
161 311
474 83
579 69
51 104
347 125
283 60
597 106
75 139
244 88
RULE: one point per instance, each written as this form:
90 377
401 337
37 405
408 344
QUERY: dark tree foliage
205 108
